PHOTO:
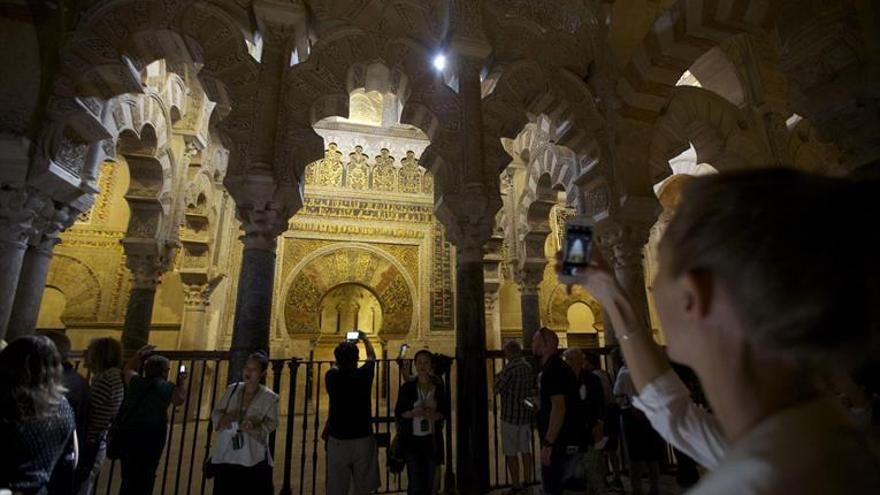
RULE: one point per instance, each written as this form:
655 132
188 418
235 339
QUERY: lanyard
243 410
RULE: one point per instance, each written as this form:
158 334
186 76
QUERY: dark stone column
15 225
31 285
472 421
253 304
138 316
146 270
531 313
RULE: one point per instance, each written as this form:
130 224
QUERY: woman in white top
245 417
762 303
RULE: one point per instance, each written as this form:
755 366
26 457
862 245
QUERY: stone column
253 303
16 223
146 270
493 320
193 331
470 352
35 268
530 280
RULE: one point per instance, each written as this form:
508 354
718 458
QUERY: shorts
516 439
352 463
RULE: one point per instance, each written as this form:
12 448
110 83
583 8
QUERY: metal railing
296 446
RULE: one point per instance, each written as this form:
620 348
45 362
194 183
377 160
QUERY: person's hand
597 277
546 453
146 351
418 412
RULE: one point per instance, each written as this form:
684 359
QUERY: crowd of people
775 330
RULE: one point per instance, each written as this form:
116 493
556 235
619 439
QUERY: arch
348 58
558 302
721 134
80 285
329 267
677 39
366 304
550 168
715 72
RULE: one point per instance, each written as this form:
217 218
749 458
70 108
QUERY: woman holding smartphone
422 405
762 308
245 417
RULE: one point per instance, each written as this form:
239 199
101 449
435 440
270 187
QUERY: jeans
143 449
421 464
562 471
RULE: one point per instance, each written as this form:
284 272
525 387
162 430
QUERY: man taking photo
351 449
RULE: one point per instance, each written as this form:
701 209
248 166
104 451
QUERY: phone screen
403 348
352 336
528 403
182 369
578 247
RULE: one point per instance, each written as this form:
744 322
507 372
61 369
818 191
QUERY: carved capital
16 216
530 275
261 226
469 218
147 266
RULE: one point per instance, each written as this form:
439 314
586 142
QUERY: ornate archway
326 269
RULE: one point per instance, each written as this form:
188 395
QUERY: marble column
493 321
31 285
470 352
48 225
253 303
531 313
193 329
15 226
146 270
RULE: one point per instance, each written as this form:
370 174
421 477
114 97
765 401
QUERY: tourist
352 456
143 419
641 445
608 432
246 416
515 384
757 302
422 406
561 430
104 361
36 421
77 395
591 408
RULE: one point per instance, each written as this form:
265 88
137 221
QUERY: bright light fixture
440 62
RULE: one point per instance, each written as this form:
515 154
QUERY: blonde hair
764 236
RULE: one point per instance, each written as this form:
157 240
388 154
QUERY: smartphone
578 246
182 369
403 349
353 336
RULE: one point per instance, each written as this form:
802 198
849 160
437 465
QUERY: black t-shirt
592 398
557 378
350 405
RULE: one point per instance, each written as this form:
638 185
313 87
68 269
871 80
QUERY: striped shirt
107 394
515 382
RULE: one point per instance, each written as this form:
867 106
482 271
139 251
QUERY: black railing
296 446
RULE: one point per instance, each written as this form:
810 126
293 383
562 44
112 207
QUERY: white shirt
263 410
812 448
690 428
